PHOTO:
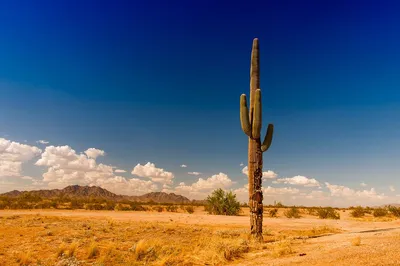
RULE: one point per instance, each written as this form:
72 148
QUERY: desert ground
80 237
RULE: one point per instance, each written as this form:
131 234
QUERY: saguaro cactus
251 125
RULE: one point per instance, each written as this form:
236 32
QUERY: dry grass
282 248
93 250
115 242
25 258
356 241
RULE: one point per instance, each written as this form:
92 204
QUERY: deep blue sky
160 81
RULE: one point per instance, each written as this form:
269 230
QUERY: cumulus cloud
66 167
299 180
363 184
94 153
266 175
12 155
392 188
42 141
343 191
149 170
203 187
183 165
271 192
194 173
120 171
241 164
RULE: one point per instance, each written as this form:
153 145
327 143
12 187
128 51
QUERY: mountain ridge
77 191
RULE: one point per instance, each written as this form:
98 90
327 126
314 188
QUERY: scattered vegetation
394 210
293 212
189 209
273 213
328 213
93 250
358 212
222 203
380 212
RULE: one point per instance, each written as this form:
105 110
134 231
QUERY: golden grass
25 258
93 250
356 241
115 242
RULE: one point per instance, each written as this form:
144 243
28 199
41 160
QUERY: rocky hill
77 191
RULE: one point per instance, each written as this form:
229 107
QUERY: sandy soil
379 245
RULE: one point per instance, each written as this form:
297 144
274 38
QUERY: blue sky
148 81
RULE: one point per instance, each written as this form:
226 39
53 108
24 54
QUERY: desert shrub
328 213
368 210
273 212
171 208
94 206
158 208
358 212
222 203
189 209
394 210
122 207
312 211
293 212
278 204
137 207
379 212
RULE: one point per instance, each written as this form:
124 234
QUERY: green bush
328 213
222 203
358 212
293 212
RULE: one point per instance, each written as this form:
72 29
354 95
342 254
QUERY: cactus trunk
251 125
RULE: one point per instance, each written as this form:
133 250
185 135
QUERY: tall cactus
251 125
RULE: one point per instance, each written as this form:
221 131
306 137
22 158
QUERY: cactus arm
268 138
244 115
256 122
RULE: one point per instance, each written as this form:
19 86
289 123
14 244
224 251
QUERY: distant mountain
161 197
77 191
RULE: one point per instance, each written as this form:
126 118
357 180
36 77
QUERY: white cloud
94 153
149 170
268 192
42 141
183 165
363 184
343 191
13 154
120 171
203 187
66 167
241 164
392 188
299 180
266 175
194 173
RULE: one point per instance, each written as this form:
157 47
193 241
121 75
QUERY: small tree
222 203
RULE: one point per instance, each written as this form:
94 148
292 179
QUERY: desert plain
86 237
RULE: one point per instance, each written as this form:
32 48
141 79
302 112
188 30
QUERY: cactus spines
251 122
